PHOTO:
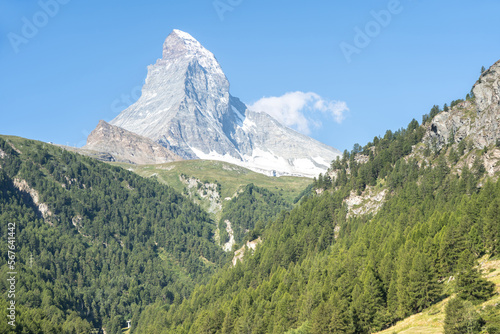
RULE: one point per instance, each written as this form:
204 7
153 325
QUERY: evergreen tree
461 318
423 286
321 318
434 111
341 321
370 303
470 285
492 227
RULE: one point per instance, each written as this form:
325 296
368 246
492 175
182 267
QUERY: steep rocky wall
477 119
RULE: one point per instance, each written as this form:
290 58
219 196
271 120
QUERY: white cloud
294 109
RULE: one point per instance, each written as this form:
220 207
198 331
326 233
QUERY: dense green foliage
471 285
461 317
472 288
113 243
322 271
115 246
253 206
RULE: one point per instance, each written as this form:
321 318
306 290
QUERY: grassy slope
431 320
231 177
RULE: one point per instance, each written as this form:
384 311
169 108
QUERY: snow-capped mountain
186 106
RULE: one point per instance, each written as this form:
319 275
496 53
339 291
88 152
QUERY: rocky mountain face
478 119
186 107
126 146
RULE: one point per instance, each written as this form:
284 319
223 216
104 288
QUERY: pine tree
423 287
471 285
460 318
341 321
475 242
370 304
392 299
321 318
492 227
452 244
404 267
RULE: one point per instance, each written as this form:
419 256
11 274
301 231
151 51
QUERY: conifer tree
341 320
369 305
321 318
471 285
423 286
461 318
492 227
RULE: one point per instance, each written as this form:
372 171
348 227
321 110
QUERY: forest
113 242
320 270
250 211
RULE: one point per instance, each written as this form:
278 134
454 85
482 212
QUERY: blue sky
85 59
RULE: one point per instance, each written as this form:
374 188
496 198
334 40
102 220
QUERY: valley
232 179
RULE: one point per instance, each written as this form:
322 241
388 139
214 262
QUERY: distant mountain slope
125 146
186 106
252 209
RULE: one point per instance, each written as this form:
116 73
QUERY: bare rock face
125 146
186 107
43 208
478 119
487 89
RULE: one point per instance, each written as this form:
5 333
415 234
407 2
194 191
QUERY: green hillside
250 210
432 320
321 269
221 189
94 243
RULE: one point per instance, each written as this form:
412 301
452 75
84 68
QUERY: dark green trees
461 318
471 285
423 288
114 243
255 206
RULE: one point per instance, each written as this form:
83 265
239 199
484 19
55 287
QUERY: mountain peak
184 35
180 44
186 106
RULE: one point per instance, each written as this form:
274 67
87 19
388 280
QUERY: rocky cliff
477 118
126 146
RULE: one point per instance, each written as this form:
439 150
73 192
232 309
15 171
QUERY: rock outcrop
240 253
117 144
477 119
43 208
